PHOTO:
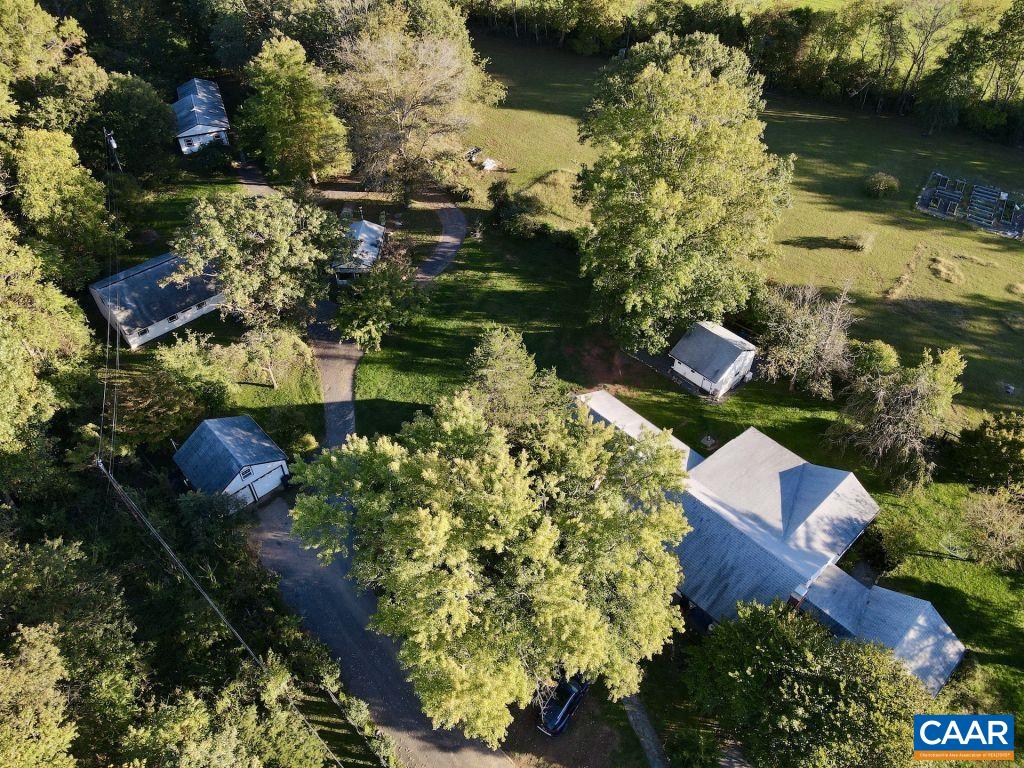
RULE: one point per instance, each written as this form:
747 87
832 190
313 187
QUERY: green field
924 283
534 286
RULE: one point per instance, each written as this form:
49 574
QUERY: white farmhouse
232 456
141 305
368 239
713 359
767 525
201 116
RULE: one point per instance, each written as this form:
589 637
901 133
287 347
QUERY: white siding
729 379
197 141
155 331
263 479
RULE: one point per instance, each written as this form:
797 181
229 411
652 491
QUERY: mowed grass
533 133
534 289
901 297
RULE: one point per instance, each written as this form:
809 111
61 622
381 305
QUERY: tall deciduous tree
411 91
289 120
42 333
142 124
269 254
501 568
379 300
683 192
891 415
804 337
34 729
63 205
795 697
994 451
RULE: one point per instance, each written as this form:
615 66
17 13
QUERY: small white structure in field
141 305
712 358
490 164
368 238
232 456
201 116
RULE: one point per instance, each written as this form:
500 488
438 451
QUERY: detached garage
232 456
712 358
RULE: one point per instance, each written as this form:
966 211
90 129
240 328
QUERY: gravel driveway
331 605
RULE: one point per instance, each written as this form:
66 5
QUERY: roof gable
220 448
710 350
199 105
807 513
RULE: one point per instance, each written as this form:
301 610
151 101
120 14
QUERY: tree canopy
780 683
500 569
683 193
289 121
270 255
410 90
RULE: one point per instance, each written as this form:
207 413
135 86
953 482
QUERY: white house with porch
201 116
712 358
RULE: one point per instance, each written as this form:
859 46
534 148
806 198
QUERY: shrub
996 522
994 451
862 241
211 158
881 185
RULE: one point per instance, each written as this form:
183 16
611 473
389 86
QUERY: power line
113 265
139 515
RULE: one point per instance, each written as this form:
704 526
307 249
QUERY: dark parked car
556 712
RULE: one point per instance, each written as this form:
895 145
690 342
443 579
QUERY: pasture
924 282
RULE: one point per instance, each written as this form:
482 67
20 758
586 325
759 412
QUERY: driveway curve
330 604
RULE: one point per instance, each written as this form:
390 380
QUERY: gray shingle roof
220 448
911 627
200 106
709 349
140 297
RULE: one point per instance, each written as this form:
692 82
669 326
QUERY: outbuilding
201 116
712 358
232 456
142 304
368 239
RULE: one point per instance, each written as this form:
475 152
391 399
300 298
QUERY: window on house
188 142
172 318
247 472
143 331
200 305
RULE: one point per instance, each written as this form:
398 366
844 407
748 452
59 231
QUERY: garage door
244 495
268 482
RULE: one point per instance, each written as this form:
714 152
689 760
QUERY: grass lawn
296 406
925 282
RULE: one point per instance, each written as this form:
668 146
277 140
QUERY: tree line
950 62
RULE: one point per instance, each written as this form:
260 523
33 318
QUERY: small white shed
232 456
712 358
201 115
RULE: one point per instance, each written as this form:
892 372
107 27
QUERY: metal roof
200 106
221 448
710 350
610 410
803 513
138 296
369 237
911 627
765 524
